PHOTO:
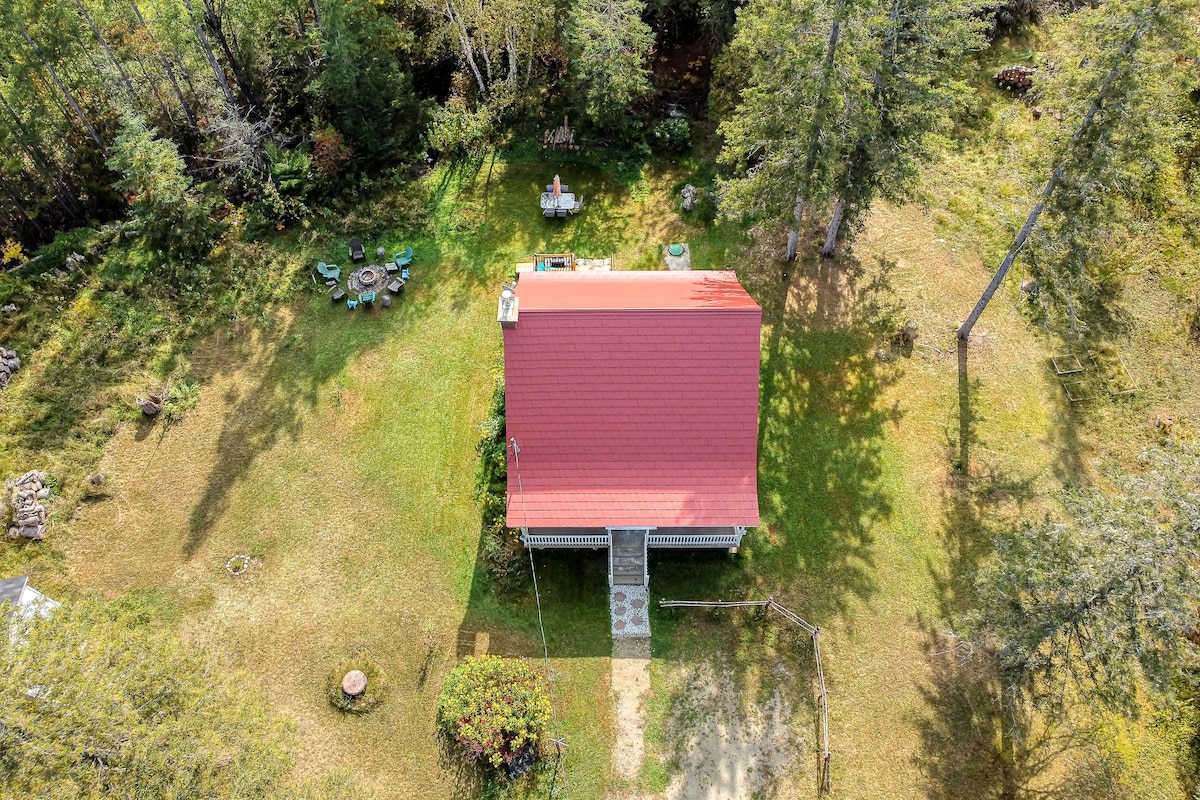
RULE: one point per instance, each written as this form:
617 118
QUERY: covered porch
595 538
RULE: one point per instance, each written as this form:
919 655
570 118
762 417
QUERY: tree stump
354 684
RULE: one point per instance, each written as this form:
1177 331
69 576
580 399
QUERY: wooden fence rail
825 785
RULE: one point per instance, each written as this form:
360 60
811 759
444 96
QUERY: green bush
501 547
673 134
494 710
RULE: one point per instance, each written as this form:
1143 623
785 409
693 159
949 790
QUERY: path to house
630 685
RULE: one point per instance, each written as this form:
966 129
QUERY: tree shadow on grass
295 363
820 432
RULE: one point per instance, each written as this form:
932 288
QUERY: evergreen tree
1110 146
916 89
805 102
1107 598
608 44
175 220
365 95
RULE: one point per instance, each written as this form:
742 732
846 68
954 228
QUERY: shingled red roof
633 397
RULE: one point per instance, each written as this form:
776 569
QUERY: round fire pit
354 683
371 278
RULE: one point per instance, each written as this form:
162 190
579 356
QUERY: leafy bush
377 684
494 709
673 133
180 399
501 547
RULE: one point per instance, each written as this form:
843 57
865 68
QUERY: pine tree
804 104
1110 140
607 46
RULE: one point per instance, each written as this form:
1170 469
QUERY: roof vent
507 309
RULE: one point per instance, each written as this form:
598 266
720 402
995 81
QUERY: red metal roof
634 399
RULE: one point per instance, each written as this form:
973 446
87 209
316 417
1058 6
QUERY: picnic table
565 200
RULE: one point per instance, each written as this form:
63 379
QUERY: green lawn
337 448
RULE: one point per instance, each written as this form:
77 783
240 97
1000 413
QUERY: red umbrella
557 186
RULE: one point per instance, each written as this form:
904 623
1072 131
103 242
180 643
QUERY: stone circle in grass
356 684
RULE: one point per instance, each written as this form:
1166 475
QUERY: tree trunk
316 13
464 41
794 234
831 233
62 87
218 73
215 23
964 331
810 160
49 173
187 111
108 50
15 197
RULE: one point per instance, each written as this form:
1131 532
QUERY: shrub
494 710
673 133
501 547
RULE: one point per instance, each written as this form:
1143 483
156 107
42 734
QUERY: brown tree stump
354 683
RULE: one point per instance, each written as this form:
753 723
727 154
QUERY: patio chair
338 296
549 187
395 287
561 213
357 253
404 257
329 271
548 213
564 188
366 298
351 304
404 274
578 205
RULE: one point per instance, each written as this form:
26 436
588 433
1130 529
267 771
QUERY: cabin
632 412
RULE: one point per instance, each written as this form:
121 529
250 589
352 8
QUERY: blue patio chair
404 273
404 257
329 270
366 297
351 304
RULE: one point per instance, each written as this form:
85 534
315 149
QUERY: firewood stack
1016 78
9 363
25 496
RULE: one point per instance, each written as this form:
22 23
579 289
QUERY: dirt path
630 685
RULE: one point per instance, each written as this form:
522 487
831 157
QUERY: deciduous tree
96 706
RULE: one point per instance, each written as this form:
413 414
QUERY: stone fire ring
371 278
354 683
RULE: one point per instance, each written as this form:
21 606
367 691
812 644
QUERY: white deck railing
566 540
684 540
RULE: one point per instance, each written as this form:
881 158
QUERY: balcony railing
566 540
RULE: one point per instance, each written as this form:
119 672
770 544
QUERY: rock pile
9 363
25 496
1017 78
151 404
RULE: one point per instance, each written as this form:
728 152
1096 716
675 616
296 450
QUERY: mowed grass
337 449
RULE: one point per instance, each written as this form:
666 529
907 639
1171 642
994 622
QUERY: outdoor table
565 201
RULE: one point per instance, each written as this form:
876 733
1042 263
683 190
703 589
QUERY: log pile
25 496
9 363
1016 78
